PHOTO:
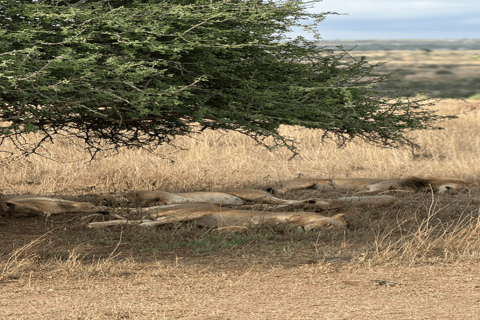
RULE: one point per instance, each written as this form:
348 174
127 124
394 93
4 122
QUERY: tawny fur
161 197
227 197
210 215
32 206
366 186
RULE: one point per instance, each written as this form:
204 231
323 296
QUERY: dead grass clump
76 267
20 260
429 240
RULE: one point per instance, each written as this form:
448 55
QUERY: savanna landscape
416 259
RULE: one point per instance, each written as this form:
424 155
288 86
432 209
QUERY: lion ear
340 216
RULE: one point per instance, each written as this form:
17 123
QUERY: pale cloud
397 19
471 22
396 9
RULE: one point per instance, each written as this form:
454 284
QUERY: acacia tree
125 73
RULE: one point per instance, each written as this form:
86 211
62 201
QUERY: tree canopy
124 73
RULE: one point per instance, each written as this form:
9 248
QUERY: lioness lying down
239 197
227 197
366 186
33 206
210 215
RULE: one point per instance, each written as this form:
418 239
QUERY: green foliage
475 96
124 73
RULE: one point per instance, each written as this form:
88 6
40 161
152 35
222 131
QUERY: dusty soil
157 291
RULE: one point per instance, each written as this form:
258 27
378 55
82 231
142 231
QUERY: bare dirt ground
229 291
304 292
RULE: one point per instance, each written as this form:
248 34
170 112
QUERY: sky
397 19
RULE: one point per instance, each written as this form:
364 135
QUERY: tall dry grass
20 260
429 240
216 160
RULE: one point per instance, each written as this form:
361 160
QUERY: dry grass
215 160
430 240
19 261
